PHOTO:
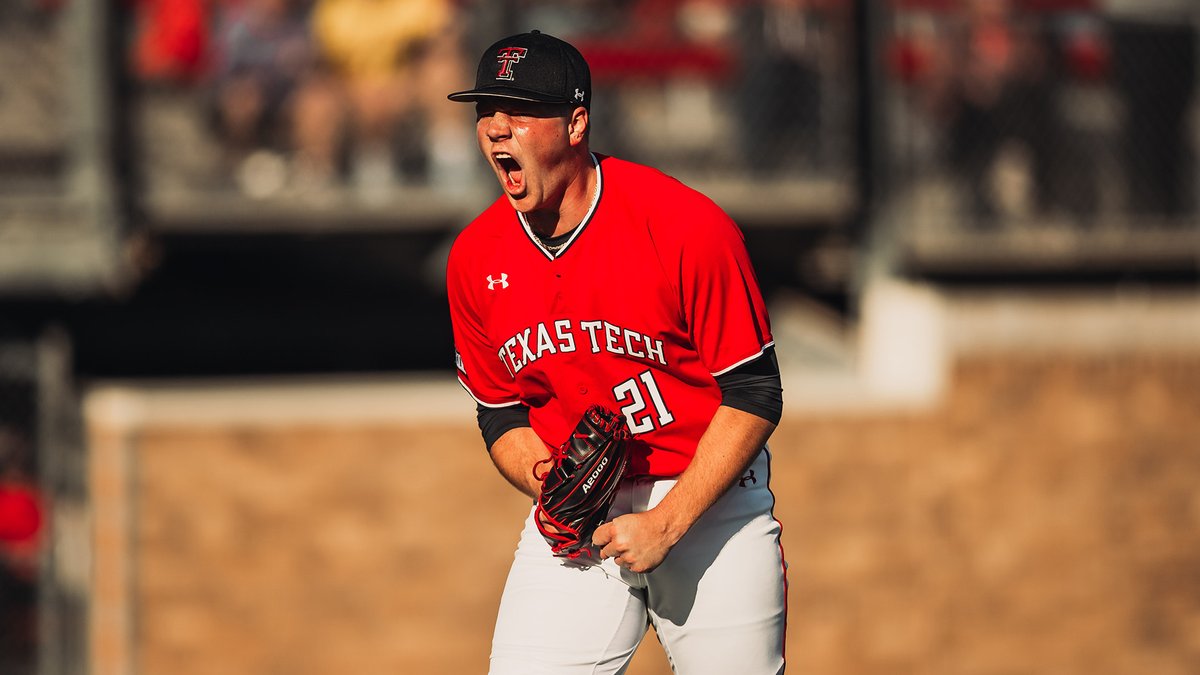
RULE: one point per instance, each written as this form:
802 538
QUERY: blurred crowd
352 92
318 92
996 77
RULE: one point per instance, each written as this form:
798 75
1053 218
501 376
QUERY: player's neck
574 205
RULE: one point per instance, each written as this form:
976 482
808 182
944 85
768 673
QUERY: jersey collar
587 217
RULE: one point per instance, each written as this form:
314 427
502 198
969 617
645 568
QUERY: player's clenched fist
639 542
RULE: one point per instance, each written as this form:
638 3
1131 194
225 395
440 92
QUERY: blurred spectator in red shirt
21 534
170 40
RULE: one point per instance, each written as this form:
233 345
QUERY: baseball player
594 280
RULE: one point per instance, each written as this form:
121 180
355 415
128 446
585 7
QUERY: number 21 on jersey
634 393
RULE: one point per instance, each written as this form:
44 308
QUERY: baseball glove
581 481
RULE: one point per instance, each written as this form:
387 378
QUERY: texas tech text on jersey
536 342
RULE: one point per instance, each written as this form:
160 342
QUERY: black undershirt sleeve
753 387
495 422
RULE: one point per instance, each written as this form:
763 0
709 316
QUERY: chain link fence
59 190
33 133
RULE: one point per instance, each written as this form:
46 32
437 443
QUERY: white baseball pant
717 603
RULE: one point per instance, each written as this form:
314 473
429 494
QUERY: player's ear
577 125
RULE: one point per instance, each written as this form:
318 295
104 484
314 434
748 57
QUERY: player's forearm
728 447
514 455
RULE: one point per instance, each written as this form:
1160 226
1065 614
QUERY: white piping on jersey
575 233
746 360
486 405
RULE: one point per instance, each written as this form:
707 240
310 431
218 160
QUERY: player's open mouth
510 169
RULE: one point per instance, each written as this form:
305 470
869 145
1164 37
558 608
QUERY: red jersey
651 298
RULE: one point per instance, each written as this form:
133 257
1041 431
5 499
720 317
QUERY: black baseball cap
531 66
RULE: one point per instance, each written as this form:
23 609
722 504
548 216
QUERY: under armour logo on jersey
503 281
749 477
507 57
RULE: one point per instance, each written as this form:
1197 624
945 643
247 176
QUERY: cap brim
507 93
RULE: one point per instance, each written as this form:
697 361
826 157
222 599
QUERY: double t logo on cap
507 58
